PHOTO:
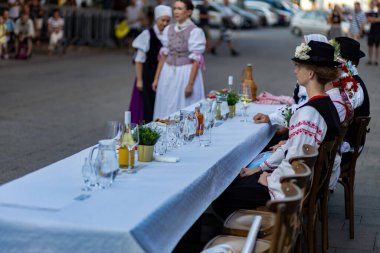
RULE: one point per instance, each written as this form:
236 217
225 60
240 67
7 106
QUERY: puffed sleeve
358 98
142 41
197 46
165 41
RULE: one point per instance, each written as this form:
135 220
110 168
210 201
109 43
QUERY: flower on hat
301 52
346 80
336 45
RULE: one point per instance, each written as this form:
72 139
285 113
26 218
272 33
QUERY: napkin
166 159
221 248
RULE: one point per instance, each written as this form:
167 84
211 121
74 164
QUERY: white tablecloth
149 211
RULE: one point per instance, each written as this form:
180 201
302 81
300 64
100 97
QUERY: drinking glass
89 176
132 140
245 99
113 130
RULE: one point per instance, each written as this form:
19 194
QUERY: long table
46 211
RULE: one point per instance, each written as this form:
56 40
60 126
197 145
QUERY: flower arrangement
301 52
346 80
336 45
148 136
286 112
232 97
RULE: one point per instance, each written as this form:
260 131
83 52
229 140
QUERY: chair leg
311 234
324 221
351 210
346 197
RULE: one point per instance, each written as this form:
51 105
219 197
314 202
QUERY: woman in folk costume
148 45
178 81
314 122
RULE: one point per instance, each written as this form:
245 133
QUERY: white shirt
14 12
142 43
133 16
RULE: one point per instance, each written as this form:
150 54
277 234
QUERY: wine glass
89 176
131 139
245 98
113 130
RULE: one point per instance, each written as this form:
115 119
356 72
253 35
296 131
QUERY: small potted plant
148 138
232 99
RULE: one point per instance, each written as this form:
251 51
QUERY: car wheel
297 31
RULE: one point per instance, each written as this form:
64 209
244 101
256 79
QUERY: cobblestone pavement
53 107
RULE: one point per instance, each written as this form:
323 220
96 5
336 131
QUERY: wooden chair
285 229
239 222
310 203
347 175
325 182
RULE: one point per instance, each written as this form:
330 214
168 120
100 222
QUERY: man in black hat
350 50
374 35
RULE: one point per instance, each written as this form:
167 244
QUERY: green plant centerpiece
148 138
232 99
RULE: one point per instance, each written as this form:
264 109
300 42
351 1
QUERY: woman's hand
154 85
263 178
261 118
139 85
189 90
275 147
245 172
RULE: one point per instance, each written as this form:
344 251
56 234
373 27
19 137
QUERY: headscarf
315 37
162 10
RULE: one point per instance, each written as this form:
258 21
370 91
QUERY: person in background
204 21
225 33
36 13
135 18
335 19
9 25
55 29
3 36
14 9
148 45
178 80
24 32
357 23
374 35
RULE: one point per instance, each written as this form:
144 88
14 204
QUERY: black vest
154 49
327 110
362 110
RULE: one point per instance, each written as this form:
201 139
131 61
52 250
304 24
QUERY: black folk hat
349 48
316 53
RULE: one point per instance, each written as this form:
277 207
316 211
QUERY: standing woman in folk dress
178 81
148 45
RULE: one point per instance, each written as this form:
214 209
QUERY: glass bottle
250 82
200 126
230 83
124 153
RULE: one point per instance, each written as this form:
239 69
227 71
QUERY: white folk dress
175 74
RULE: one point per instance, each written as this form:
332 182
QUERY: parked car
215 15
284 15
308 22
250 20
267 13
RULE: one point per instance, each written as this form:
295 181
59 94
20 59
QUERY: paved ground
53 107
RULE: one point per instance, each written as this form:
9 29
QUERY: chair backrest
326 172
309 156
322 164
302 174
285 230
361 134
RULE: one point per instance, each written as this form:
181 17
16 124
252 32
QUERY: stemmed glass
89 176
131 139
245 98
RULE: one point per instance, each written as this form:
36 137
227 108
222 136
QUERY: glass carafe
105 165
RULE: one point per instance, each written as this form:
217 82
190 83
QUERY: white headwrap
315 37
162 10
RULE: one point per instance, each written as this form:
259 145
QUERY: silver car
309 22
